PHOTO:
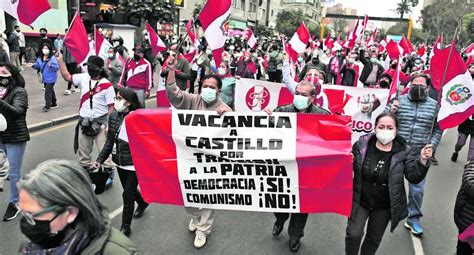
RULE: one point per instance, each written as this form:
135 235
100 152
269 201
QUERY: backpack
272 62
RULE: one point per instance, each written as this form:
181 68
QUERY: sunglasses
30 217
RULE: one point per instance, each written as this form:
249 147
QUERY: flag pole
440 94
187 32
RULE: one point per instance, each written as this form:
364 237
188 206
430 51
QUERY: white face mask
119 105
221 71
385 136
45 52
116 43
208 95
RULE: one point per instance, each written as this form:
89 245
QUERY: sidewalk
68 108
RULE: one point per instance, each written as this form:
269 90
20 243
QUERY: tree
398 29
404 7
152 11
262 30
288 21
468 21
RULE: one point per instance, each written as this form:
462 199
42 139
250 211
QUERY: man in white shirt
97 102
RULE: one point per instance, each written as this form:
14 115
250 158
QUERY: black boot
294 245
454 157
127 215
125 229
142 205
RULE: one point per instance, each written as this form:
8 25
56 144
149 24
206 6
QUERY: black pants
22 54
463 249
192 81
130 194
297 223
49 95
378 220
72 69
274 76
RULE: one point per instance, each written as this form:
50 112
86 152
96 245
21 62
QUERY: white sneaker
67 92
192 226
76 90
199 241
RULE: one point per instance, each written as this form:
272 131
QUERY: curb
59 121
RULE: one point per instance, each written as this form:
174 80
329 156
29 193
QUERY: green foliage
262 30
404 7
151 10
288 21
468 21
398 29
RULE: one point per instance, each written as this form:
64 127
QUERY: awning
237 24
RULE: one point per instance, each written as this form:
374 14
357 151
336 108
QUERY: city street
163 229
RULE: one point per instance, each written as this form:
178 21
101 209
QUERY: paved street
163 229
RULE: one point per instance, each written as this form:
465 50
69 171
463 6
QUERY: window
242 4
272 13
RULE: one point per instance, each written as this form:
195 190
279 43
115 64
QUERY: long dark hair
131 96
50 50
17 78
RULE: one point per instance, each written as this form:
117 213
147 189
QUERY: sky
379 8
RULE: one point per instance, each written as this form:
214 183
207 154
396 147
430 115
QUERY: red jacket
137 75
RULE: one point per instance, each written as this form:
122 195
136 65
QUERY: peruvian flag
457 101
372 39
102 46
298 42
382 46
395 82
422 53
76 39
191 33
328 43
212 17
251 40
436 46
26 11
406 46
393 49
157 45
310 171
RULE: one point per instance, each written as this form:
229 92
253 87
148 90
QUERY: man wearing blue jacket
417 114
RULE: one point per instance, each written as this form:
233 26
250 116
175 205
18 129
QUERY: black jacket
13 107
467 127
292 108
368 66
121 155
464 207
348 76
404 162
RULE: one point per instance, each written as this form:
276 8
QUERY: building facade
311 8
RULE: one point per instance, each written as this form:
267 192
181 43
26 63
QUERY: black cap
94 61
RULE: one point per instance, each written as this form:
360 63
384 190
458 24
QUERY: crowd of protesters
110 90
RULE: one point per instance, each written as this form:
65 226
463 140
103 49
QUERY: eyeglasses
30 218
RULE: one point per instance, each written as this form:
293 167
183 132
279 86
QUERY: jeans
141 96
49 95
130 194
415 201
15 59
22 54
15 152
297 223
378 220
462 139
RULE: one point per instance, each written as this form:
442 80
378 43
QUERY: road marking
115 213
53 128
417 246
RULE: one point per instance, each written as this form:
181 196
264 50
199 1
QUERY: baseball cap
94 61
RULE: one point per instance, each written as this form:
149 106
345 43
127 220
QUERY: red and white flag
396 81
212 18
373 38
406 46
76 39
191 33
157 45
26 11
299 164
298 42
251 40
393 49
470 54
102 46
457 101
422 53
328 43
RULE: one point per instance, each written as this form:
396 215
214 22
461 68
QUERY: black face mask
384 84
5 81
393 66
94 73
315 61
40 233
136 57
417 94
43 34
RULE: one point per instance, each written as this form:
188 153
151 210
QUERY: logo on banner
458 94
257 98
367 105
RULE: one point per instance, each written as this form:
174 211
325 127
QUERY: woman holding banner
381 159
125 102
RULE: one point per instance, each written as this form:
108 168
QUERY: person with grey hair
305 93
61 214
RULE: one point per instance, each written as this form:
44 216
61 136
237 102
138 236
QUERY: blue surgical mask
300 102
300 59
373 60
208 95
